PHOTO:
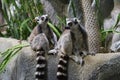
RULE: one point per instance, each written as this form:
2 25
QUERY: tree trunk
91 25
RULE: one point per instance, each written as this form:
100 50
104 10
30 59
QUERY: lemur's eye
70 24
42 18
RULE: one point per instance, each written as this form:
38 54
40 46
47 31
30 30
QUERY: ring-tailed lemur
64 49
42 23
80 40
64 46
79 34
39 41
40 45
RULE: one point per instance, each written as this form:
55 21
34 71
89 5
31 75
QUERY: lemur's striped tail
62 73
41 66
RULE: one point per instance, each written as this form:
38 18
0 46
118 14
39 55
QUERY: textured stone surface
22 66
61 8
109 22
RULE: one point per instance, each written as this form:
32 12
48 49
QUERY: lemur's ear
67 19
35 19
79 20
46 15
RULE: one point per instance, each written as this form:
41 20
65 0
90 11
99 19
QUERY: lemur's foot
83 62
77 59
92 53
85 53
52 52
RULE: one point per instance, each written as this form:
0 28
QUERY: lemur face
72 22
42 19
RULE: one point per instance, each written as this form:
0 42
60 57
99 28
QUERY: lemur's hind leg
77 59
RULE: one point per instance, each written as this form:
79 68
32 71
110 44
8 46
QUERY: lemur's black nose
70 24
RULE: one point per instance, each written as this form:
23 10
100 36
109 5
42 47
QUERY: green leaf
23 24
54 29
71 5
118 20
28 9
73 8
9 53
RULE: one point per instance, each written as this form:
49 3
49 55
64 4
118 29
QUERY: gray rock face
61 8
105 73
77 7
48 8
109 22
106 5
22 66
115 47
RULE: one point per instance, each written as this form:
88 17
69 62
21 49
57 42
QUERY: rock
77 7
109 22
61 8
48 8
106 5
115 47
22 66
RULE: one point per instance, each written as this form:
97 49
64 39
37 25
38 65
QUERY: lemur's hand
52 52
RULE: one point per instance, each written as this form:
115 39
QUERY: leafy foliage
105 33
54 29
19 15
9 53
